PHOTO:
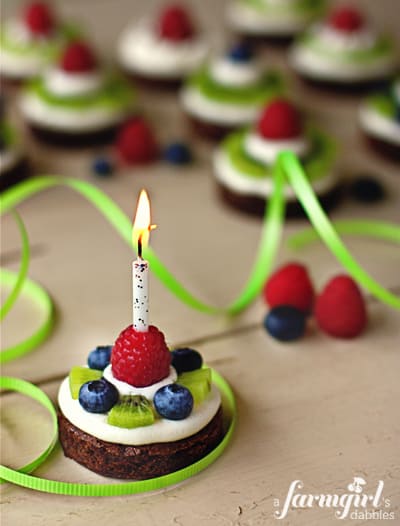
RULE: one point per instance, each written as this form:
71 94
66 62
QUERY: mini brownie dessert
30 42
229 92
139 411
273 21
13 164
380 120
244 161
163 52
344 51
76 103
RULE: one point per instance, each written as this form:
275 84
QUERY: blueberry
99 358
98 396
178 153
173 401
103 166
186 359
240 53
285 323
366 189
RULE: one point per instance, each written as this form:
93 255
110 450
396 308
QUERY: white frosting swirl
236 74
266 151
66 84
142 51
161 431
379 126
335 40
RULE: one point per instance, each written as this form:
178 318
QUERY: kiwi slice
198 382
79 376
131 411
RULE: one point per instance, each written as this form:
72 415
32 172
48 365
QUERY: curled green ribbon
21 478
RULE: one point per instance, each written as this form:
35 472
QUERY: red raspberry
140 358
280 120
136 143
290 285
78 58
39 18
340 309
346 19
175 24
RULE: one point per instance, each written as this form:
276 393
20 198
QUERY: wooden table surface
319 410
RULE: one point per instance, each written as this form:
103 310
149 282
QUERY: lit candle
140 267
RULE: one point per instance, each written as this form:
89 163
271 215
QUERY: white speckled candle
140 281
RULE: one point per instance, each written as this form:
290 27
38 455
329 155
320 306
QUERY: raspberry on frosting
280 120
78 58
136 143
346 19
39 18
140 358
175 24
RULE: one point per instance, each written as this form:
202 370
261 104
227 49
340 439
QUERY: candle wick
140 246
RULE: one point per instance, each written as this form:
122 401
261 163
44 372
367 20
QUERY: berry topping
98 396
173 401
131 411
140 358
136 143
285 323
198 382
290 285
103 167
346 19
78 58
39 18
178 153
366 189
186 359
240 53
340 309
99 358
280 120
175 24
79 376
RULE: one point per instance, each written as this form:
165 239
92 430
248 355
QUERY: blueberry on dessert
162 51
243 163
344 50
30 40
76 101
229 92
139 411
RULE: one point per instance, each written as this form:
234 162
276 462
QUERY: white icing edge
196 104
229 176
141 51
266 151
237 74
52 117
363 39
9 158
379 126
161 431
245 18
127 389
63 84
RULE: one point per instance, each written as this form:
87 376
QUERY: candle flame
142 222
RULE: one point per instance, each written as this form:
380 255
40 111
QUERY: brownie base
74 140
344 88
209 131
154 84
383 148
255 206
138 462
15 175
260 40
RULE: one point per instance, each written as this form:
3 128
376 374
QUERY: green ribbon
21 478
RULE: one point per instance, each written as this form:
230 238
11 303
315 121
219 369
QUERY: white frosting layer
266 151
9 158
62 83
379 126
236 74
58 118
161 431
324 67
196 104
229 176
148 392
335 40
141 51
243 17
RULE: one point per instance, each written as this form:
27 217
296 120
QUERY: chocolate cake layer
384 148
208 130
344 88
254 205
154 84
74 140
138 462
13 176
